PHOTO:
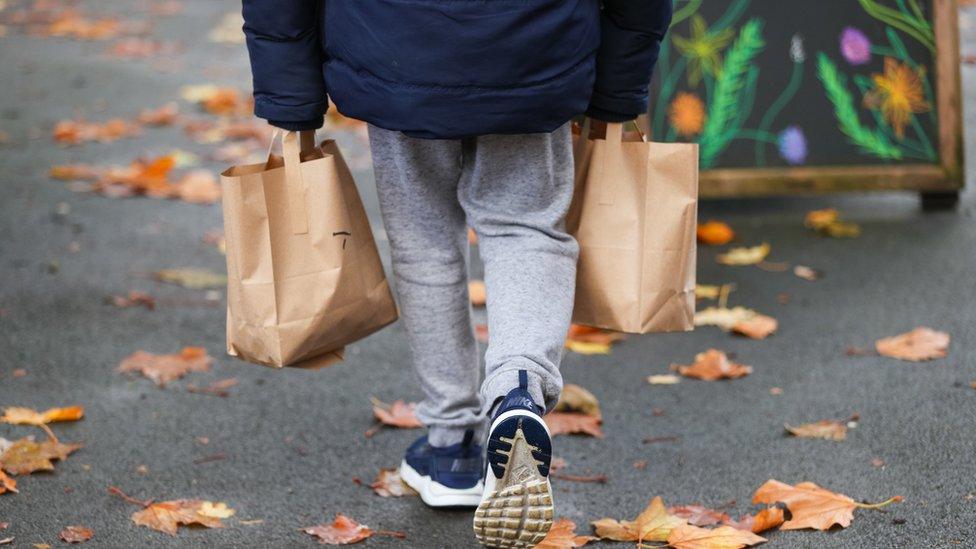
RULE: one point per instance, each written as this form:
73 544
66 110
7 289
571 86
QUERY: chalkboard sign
794 95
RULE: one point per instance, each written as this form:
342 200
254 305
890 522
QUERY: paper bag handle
293 144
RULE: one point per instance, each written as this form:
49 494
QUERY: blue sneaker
445 477
516 507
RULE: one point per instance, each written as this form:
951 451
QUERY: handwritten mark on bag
344 233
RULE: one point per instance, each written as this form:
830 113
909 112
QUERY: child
469 103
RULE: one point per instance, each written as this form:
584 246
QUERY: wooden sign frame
939 184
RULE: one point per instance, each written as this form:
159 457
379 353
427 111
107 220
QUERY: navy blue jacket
453 68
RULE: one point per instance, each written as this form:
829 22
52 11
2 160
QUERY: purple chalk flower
855 45
793 145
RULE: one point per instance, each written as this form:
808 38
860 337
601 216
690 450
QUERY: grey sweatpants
514 191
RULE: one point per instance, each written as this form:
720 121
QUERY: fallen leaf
7 484
828 223
577 399
162 369
76 534
698 515
218 388
723 317
27 416
812 506
148 177
219 101
193 279
74 132
713 365
918 345
705 291
807 273
399 414
653 524
745 256
587 348
562 535
26 456
477 293
757 327
767 519
818 219
725 537
827 429
199 187
163 116
134 299
75 172
668 379
388 484
715 233
342 531
877 462
590 334
562 423
166 516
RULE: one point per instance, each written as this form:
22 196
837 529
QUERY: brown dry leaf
562 423
812 506
75 172
697 515
7 484
653 524
807 273
713 365
767 519
399 414
71 24
667 379
562 535
477 293
342 531
388 484
828 223
725 537
199 187
134 299
827 429
74 132
220 101
577 399
757 327
166 516
745 256
26 456
715 233
192 279
918 345
818 219
587 340
26 416
76 534
163 116
723 317
218 388
162 369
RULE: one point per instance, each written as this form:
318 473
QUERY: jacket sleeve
284 43
631 35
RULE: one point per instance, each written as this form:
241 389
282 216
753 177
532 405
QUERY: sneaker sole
516 510
436 495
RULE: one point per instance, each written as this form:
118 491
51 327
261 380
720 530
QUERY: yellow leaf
725 537
745 256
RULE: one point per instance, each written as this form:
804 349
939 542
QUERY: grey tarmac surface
293 440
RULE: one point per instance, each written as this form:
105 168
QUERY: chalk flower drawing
703 49
855 45
899 94
687 114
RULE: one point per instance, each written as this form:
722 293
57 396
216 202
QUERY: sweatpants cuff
500 383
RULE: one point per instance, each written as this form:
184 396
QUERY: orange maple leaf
725 537
342 531
162 369
562 535
713 365
812 506
715 233
7 484
166 516
26 456
918 345
568 423
389 484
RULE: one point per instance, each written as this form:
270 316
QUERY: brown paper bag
304 275
634 214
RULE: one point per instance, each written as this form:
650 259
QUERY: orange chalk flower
898 93
687 114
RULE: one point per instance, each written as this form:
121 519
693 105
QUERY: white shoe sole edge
438 495
516 510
